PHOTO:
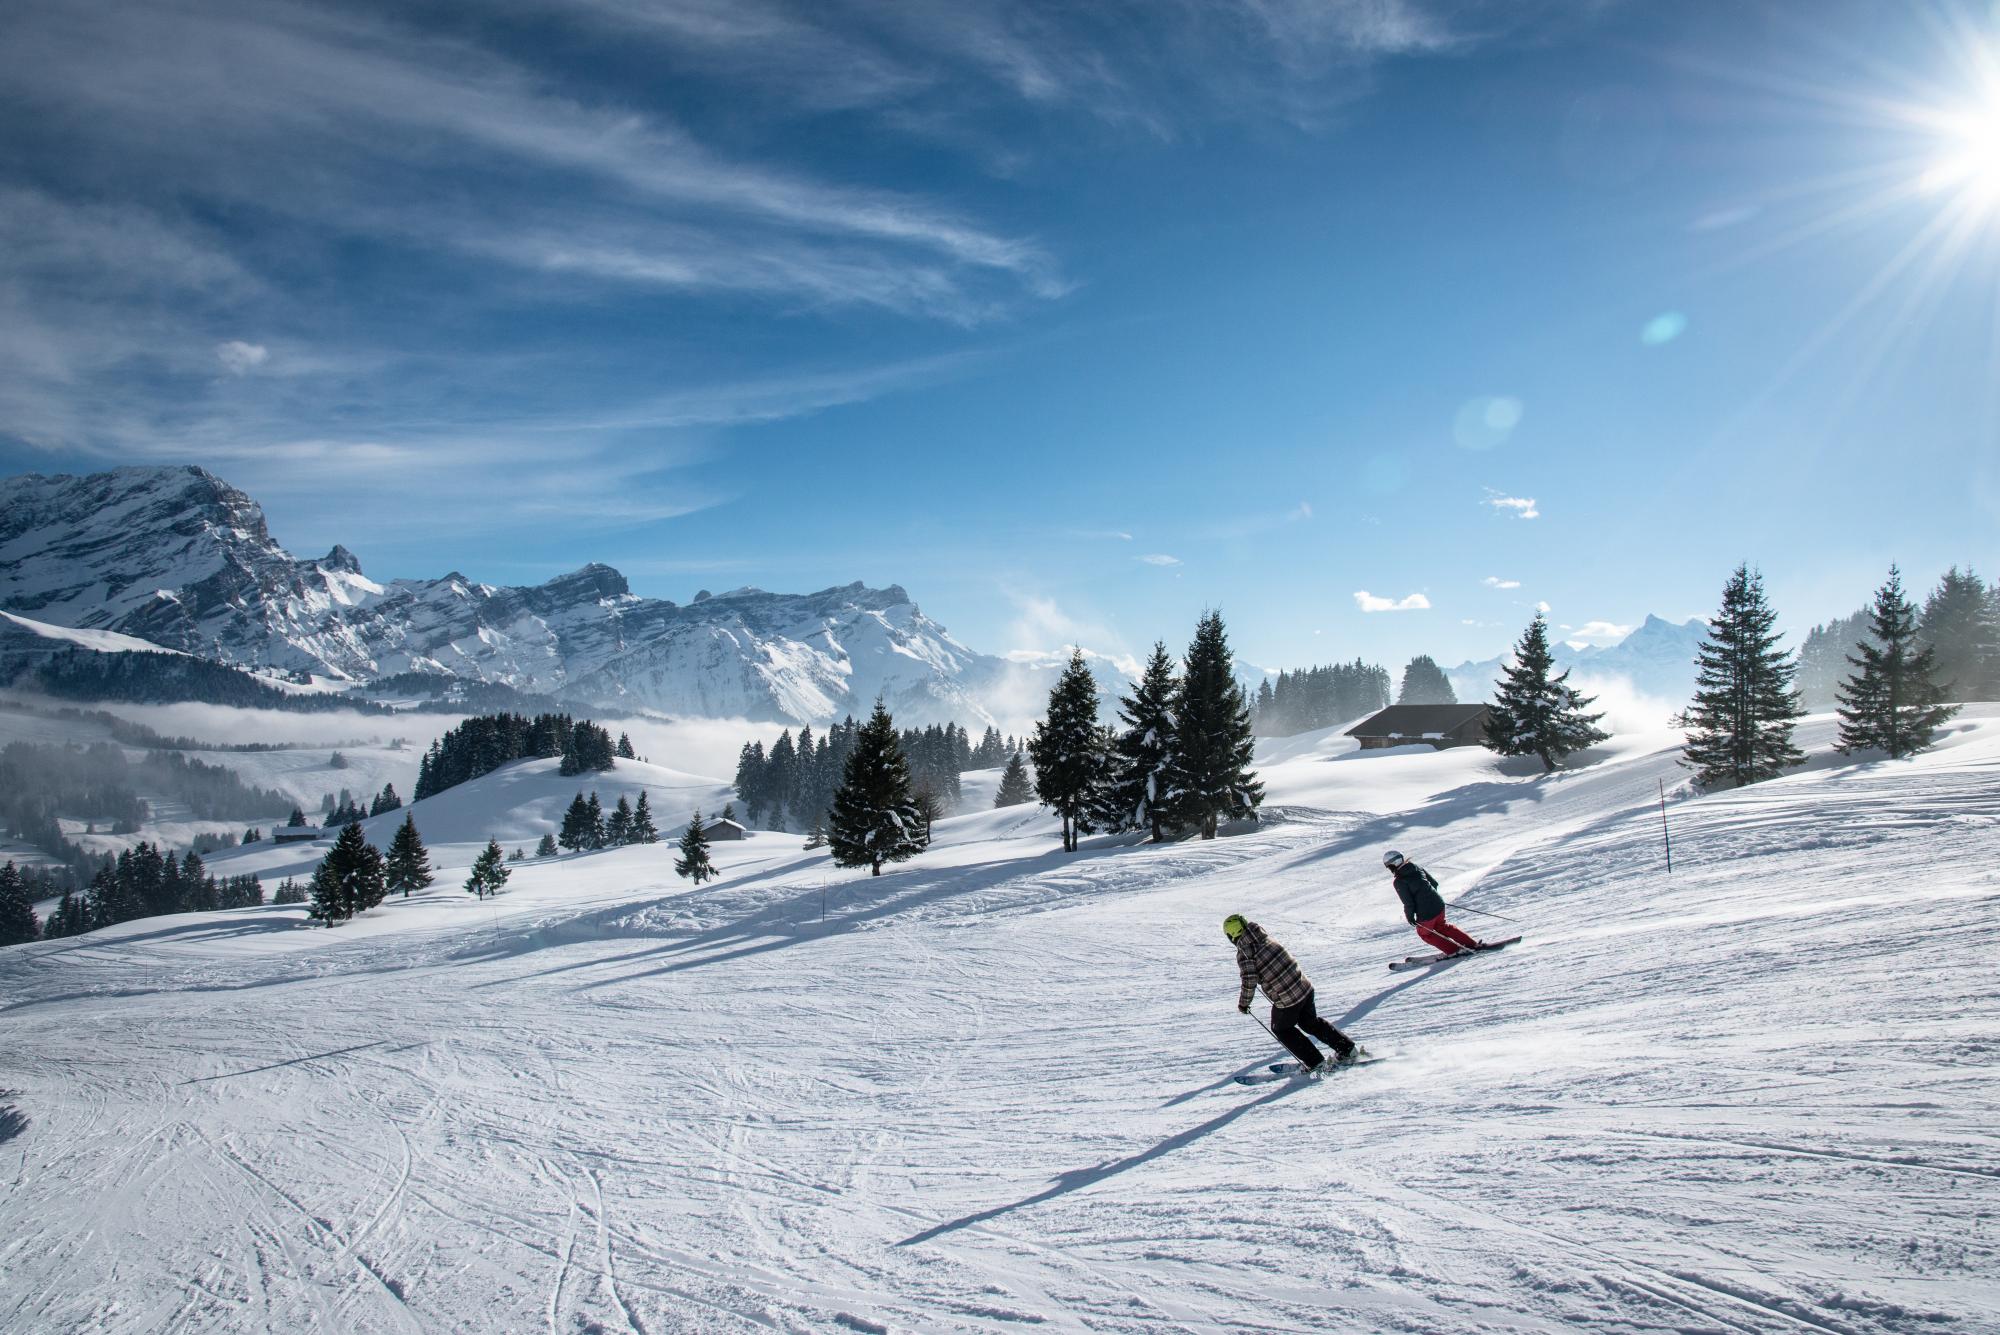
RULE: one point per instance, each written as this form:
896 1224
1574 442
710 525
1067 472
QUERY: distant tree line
1319 697
791 785
98 784
586 825
484 743
1959 623
162 678
145 881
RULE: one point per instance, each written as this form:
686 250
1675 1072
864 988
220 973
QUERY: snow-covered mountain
180 558
1657 660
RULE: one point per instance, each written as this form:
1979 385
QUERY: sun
1968 157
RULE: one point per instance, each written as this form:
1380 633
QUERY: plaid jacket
1264 963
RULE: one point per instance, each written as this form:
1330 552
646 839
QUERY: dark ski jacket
1264 963
1419 892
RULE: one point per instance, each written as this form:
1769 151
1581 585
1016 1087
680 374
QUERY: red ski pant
1442 936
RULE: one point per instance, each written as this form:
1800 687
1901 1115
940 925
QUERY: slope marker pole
1666 835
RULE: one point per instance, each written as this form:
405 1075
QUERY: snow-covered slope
991 1089
179 557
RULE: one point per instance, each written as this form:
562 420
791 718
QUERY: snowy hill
1654 661
180 558
992 1087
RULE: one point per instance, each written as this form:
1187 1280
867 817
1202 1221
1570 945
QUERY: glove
1242 1008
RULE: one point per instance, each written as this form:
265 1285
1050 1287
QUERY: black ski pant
1287 1021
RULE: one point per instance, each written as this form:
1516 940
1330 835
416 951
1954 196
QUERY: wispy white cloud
1159 559
1595 633
1523 507
240 358
1368 602
1495 582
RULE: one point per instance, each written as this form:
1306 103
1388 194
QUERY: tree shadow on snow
854 905
1077 1178
12 1120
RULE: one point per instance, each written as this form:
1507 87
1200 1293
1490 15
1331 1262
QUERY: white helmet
1393 859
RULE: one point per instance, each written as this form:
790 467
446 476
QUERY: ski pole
1467 908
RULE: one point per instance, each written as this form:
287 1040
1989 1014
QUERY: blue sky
1374 323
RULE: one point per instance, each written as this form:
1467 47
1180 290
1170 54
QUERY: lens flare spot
1663 328
1487 421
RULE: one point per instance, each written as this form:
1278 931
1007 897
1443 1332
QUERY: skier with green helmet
1262 962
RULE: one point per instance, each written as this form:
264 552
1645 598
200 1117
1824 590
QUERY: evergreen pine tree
643 829
1535 714
593 830
408 866
618 825
1893 703
546 848
1958 625
728 811
693 862
1015 787
1740 724
1424 683
17 911
576 825
1143 756
1213 744
874 813
1072 766
816 837
350 879
625 751
489 872
297 819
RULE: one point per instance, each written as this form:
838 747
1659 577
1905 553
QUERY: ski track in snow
992 1090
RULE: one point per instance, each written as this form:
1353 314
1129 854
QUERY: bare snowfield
991 1089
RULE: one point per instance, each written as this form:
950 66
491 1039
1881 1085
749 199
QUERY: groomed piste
993 1088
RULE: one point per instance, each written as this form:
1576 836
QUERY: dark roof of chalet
1417 720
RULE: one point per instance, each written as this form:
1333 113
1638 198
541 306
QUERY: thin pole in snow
1666 835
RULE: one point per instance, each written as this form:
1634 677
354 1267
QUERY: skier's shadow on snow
1355 1013
1085 1177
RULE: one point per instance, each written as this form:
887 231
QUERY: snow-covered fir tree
1958 626
816 837
575 825
618 825
546 848
1892 702
1424 683
1739 728
350 879
386 800
875 816
1141 789
296 820
643 831
17 911
1535 713
625 751
489 872
1015 786
409 863
593 827
1212 778
693 862
1071 755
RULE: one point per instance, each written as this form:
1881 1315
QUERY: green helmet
1233 925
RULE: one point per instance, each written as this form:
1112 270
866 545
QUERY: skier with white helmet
1262 962
1423 907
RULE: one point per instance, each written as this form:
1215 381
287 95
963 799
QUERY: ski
1277 1071
1425 961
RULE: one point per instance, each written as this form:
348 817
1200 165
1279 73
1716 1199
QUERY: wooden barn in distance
1436 726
